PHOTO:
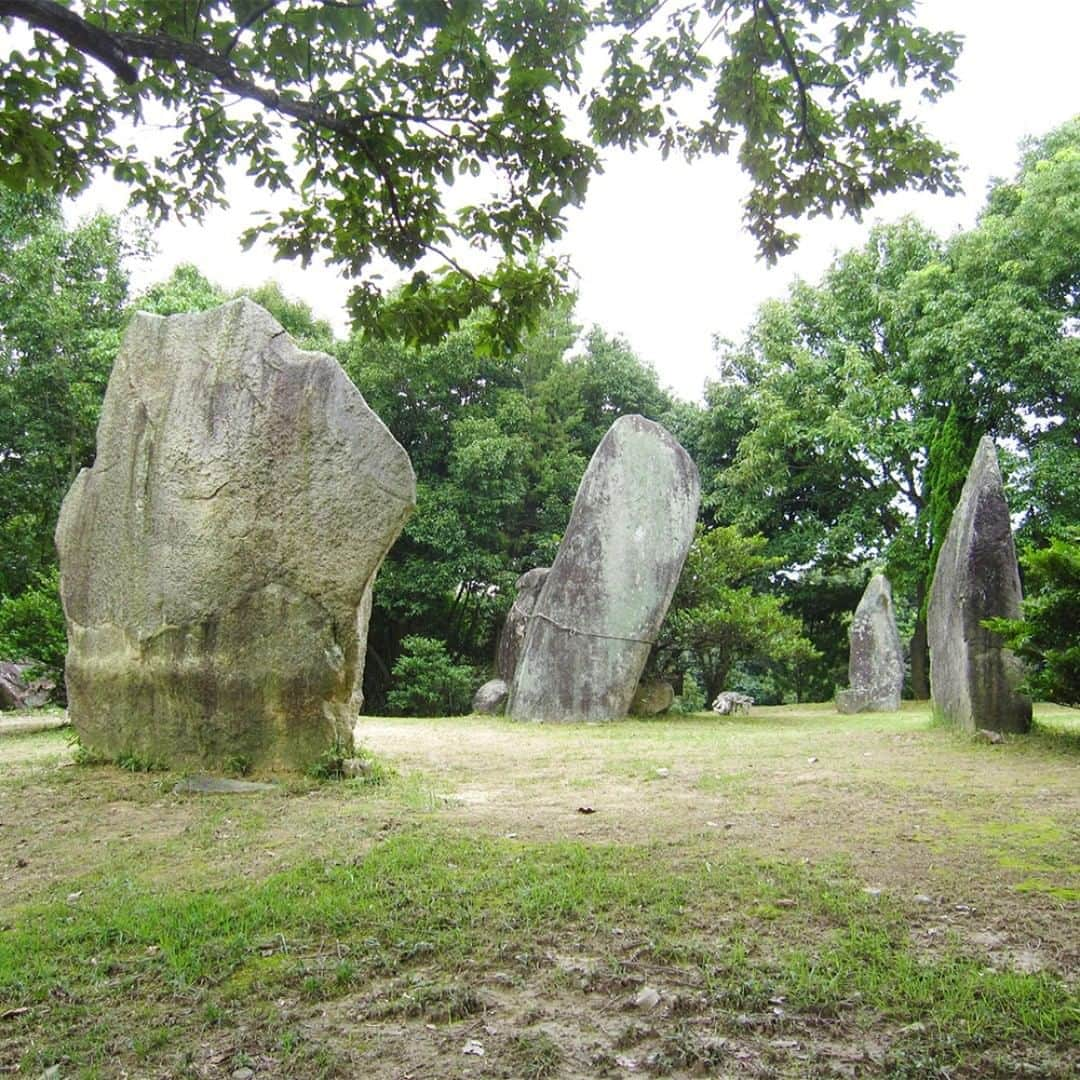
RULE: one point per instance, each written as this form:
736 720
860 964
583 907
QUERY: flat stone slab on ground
24 725
221 785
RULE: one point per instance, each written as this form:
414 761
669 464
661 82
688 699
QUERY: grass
904 904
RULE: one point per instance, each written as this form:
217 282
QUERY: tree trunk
920 661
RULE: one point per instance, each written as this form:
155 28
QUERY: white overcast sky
658 248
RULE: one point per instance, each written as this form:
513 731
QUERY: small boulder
19 691
652 698
731 703
490 699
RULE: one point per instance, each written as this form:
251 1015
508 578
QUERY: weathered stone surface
973 677
19 689
731 703
876 658
221 785
512 636
602 603
217 560
490 699
652 698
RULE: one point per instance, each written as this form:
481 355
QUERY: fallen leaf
10 1014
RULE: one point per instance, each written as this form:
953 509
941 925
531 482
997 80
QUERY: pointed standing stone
602 603
217 561
876 659
973 677
512 635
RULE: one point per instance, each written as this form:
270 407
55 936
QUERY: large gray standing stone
512 635
973 677
602 603
876 657
217 561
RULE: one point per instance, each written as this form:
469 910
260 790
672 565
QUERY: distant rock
20 690
490 699
973 676
876 658
217 561
731 703
601 605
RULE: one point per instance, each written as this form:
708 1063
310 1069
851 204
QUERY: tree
719 618
62 298
499 444
366 112
861 399
1047 635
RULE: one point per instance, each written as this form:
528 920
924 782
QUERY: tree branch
76 31
253 18
792 64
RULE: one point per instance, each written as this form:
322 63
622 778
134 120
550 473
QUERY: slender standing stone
876 659
602 603
217 561
973 677
512 635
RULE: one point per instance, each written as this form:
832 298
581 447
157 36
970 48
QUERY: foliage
1047 635
499 444
186 289
718 618
32 625
948 460
62 296
692 698
427 682
842 426
365 114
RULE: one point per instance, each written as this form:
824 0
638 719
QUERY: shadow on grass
1054 737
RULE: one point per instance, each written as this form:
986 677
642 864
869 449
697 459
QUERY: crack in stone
591 633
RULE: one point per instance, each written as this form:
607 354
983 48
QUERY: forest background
832 441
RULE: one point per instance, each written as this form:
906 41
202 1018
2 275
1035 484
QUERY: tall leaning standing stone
973 677
217 560
601 605
876 657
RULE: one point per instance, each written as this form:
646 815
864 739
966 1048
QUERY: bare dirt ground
977 844
917 810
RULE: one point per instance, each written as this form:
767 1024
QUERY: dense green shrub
32 625
428 682
1047 636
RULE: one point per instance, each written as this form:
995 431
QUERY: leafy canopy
364 114
1047 636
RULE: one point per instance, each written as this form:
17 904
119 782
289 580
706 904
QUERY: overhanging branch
76 31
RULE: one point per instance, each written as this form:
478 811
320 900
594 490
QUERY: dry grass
808 893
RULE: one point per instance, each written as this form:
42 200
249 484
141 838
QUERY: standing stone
601 605
876 658
512 636
973 677
217 561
